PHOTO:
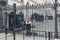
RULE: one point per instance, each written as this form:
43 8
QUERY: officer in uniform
28 27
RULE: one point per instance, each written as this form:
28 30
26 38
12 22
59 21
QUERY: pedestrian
28 27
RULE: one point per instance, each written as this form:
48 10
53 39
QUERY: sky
10 2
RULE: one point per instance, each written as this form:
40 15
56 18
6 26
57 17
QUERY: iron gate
41 17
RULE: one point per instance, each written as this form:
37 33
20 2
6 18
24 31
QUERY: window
50 17
40 18
37 17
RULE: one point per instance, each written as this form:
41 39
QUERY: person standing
28 27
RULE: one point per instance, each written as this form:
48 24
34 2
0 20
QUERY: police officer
28 27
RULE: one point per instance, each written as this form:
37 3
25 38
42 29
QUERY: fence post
14 5
48 35
45 35
51 35
13 34
5 33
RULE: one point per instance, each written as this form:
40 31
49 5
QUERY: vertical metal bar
14 15
14 5
45 35
5 33
6 23
27 12
23 34
33 23
5 19
56 27
51 35
1 15
48 35
13 34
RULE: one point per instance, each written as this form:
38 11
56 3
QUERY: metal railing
35 35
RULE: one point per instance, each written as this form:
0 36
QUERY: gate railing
35 35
